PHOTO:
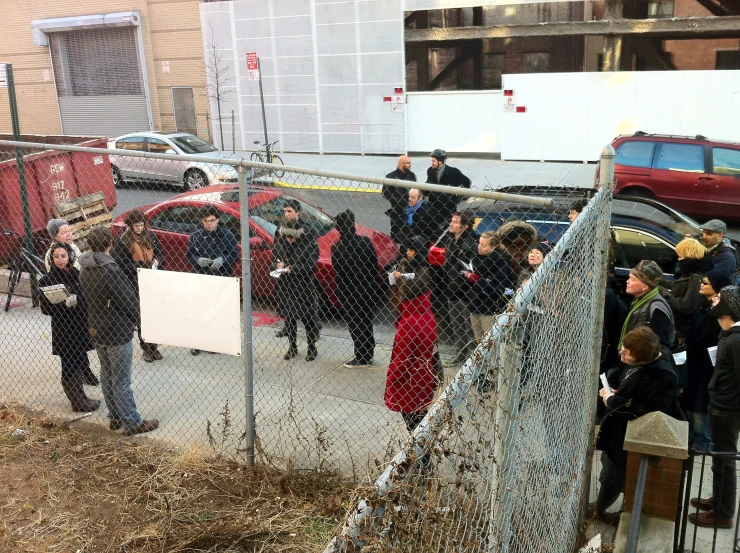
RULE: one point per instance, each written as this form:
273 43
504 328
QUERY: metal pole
634 529
264 119
606 178
247 314
233 133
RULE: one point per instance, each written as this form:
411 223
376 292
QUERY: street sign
253 67
3 78
397 102
509 101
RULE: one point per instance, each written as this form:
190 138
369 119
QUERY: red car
175 219
691 174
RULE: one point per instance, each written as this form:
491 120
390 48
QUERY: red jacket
410 383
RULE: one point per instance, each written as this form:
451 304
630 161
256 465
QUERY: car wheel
195 179
638 192
118 181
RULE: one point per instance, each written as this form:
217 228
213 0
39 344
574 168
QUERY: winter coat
615 312
491 277
640 390
355 263
518 252
444 205
685 299
723 258
219 243
656 314
703 333
410 384
425 225
295 292
724 387
407 290
125 259
396 196
75 250
69 330
458 252
113 305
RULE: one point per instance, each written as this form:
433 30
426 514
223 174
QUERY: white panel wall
454 121
572 116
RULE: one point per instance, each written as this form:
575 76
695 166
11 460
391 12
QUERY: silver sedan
182 172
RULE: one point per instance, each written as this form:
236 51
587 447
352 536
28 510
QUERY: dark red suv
691 174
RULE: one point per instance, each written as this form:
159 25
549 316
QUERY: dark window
233 223
680 157
181 219
270 214
535 62
157 146
632 246
131 143
726 161
635 153
728 59
192 144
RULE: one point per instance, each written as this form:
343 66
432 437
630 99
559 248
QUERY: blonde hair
690 248
491 237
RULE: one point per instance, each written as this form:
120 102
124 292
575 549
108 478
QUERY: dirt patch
80 488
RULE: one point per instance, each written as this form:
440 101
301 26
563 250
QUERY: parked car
175 219
641 228
693 174
188 173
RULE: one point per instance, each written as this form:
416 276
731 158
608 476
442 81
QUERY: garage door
99 82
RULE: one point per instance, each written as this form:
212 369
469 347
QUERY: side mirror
257 243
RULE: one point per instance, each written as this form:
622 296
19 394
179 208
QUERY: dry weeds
81 489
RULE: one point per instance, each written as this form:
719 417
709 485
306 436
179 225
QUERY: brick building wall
170 30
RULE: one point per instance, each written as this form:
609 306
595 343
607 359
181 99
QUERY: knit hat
648 272
718 279
345 223
543 247
54 225
419 245
291 228
729 303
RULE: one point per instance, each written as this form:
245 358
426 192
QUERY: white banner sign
190 311
3 76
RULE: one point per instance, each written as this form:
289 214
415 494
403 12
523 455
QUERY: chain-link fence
502 460
323 380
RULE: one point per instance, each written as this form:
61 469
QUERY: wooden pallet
84 214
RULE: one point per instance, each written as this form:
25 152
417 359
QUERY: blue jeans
116 367
699 431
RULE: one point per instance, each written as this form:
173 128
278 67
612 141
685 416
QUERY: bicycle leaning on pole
268 157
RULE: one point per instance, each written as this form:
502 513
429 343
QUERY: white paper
277 272
467 266
408 276
713 355
391 279
680 358
56 293
190 310
605 382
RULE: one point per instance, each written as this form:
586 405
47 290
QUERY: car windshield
662 216
270 214
192 144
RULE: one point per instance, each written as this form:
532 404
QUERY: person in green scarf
649 308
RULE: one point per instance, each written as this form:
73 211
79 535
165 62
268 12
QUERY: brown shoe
145 426
703 504
114 425
710 520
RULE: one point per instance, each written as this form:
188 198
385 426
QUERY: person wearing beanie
535 257
576 209
296 254
703 333
355 263
724 415
139 248
443 205
648 307
414 262
60 231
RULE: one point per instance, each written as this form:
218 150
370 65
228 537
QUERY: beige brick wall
170 30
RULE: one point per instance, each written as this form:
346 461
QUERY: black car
642 228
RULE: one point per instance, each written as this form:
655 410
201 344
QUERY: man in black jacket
398 197
461 247
356 264
723 255
444 205
212 250
418 220
649 383
724 414
113 314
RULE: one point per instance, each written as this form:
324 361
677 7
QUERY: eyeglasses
210 221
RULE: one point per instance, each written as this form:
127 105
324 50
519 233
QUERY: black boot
88 377
76 394
312 352
292 352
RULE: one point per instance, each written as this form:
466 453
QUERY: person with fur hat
724 414
649 307
703 333
296 253
355 263
139 248
517 239
60 231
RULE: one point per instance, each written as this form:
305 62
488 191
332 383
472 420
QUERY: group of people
696 318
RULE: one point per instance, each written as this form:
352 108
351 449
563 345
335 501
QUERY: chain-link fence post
247 314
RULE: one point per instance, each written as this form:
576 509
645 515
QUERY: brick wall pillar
665 441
